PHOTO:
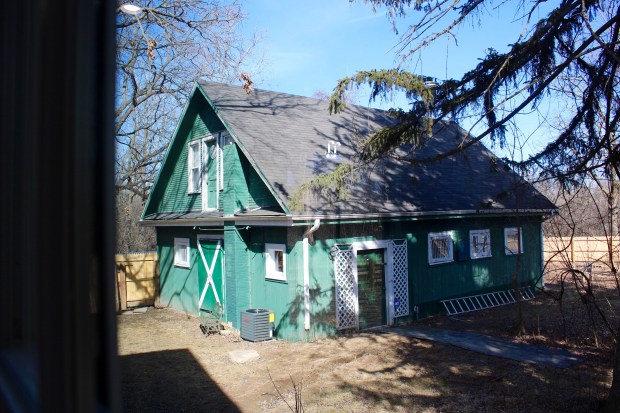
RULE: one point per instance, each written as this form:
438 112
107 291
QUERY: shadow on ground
157 382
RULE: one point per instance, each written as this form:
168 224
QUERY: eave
297 220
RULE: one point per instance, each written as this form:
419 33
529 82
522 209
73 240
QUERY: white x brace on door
209 268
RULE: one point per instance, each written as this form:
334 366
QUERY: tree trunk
612 405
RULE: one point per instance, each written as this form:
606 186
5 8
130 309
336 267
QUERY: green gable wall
259 195
235 193
243 188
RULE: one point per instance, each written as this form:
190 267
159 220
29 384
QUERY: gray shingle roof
286 137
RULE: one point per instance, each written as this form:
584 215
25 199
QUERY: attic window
193 167
332 150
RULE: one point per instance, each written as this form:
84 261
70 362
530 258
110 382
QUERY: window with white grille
181 252
513 241
480 243
440 247
193 167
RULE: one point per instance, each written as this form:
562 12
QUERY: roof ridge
382 111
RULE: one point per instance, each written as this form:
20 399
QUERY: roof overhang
288 220
407 216
266 221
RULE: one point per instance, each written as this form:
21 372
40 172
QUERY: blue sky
309 45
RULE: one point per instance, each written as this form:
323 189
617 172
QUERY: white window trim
204 153
450 257
190 161
473 234
221 142
181 242
270 265
520 232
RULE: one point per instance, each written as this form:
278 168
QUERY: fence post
122 286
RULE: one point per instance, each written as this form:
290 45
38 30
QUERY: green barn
403 239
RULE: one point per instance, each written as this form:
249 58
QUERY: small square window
181 252
440 247
480 243
513 241
275 261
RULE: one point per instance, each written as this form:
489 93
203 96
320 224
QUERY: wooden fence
137 279
580 249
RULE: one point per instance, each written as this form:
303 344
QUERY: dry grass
170 366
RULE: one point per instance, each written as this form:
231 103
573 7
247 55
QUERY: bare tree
161 51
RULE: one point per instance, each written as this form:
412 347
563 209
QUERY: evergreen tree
573 48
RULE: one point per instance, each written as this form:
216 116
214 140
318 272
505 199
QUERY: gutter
403 214
278 221
306 261
289 220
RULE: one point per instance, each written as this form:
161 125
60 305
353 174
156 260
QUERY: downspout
306 253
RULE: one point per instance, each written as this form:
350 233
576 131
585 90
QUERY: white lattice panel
401 278
346 291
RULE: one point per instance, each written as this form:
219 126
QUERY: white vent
332 149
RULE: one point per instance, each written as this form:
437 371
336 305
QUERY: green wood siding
235 193
170 193
247 287
284 298
236 272
428 283
259 194
178 286
243 188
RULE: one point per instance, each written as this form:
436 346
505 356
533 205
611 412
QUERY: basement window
275 262
480 243
181 252
440 247
513 240
193 167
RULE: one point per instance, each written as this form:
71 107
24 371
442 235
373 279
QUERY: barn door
210 273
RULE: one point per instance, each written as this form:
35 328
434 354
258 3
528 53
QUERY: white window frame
178 260
472 237
270 262
221 142
436 235
194 187
204 176
512 231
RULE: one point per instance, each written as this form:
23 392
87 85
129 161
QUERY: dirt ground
168 365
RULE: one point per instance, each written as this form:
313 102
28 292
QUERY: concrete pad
493 346
243 356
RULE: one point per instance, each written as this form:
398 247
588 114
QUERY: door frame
385 245
215 237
